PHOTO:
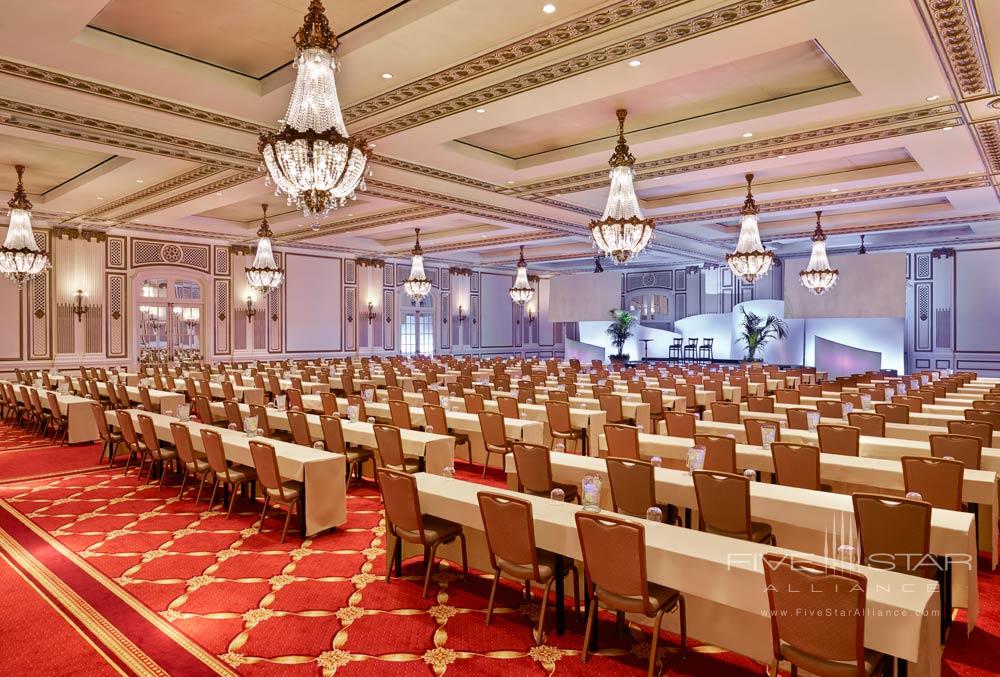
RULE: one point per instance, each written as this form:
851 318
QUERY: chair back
984 431
507 406
614 555
359 402
124 401
871 425
533 466
724 503
399 412
265 462
263 424
680 424
991 417
689 393
102 423
389 443
612 406
233 413
328 401
633 490
181 435
559 395
752 426
558 417
786 396
654 398
400 500
937 480
830 408
333 434
798 419
895 533
299 426
810 390
494 430
53 400
796 465
454 389
818 610
987 405
964 448
720 452
763 405
725 412
510 531
622 440
915 404
844 440
228 391
431 396
127 427
483 391
893 413
203 409
474 403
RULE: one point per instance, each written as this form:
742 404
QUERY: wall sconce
78 308
531 315
251 311
371 312
461 315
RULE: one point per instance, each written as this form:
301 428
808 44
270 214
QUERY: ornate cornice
955 29
677 32
460 272
987 135
79 234
943 253
369 263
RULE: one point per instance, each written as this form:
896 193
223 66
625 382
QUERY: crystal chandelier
750 260
417 285
521 292
311 159
622 232
264 274
20 256
818 277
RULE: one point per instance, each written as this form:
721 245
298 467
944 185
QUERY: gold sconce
371 312
78 308
461 315
251 311
531 315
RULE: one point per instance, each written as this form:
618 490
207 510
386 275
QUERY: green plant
620 331
757 332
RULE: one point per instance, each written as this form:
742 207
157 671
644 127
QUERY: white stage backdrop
584 296
873 285
977 312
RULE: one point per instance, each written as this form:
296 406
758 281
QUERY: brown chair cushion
660 597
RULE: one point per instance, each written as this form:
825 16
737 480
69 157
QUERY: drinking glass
558 494
654 514
767 435
812 420
695 458
590 493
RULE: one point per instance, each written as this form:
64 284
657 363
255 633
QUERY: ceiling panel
47 165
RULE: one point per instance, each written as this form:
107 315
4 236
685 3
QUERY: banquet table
80 417
591 420
323 474
724 589
937 420
248 394
163 400
807 520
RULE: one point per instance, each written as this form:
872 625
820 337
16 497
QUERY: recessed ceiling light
100 198
480 110
747 135
782 157
946 129
138 180
634 63
387 76
834 190
219 194
549 8
973 171
510 182
934 97
483 236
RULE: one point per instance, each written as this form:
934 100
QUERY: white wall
710 325
496 323
313 303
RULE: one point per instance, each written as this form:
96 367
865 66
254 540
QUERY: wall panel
313 303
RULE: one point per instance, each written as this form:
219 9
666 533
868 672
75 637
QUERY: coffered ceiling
493 121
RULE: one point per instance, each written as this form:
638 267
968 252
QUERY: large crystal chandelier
311 159
750 260
264 274
622 231
818 277
417 286
522 291
20 257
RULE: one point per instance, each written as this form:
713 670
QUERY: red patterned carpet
321 605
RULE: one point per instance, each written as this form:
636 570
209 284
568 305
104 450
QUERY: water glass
448 471
846 408
281 401
866 402
847 553
900 388
695 458
352 412
446 403
249 425
654 514
560 447
590 493
656 462
750 474
812 420
767 435
184 412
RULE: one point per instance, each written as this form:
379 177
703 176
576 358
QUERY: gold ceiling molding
859 131
959 42
892 225
362 222
364 262
79 234
827 199
61 123
557 37
172 183
987 135
125 96
193 194
675 33
433 173
590 213
495 241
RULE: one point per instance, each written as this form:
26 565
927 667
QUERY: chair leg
493 596
163 473
201 485
215 487
653 642
576 592
263 513
429 567
539 635
288 518
397 557
486 463
184 477
465 559
682 609
232 502
591 616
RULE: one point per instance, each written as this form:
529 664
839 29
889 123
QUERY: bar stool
675 349
691 349
705 350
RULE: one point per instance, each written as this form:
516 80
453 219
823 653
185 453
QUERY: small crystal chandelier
818 277
522 291
750 260
265 274
417 286
311 159
20 257
622 233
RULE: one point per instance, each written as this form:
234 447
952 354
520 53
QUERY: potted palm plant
620 331
756 332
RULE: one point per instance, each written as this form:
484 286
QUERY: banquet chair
359 402
964 448
454 390
763 405
507 406
299 427
598 391
205 388
399 413
988 405
264 424
674 351
622 440
798 419
752 426
894 533
405 522
561 427
724 507
144 399
893 413
474 403
121 397
135 446
611 405
991 417
204 411
483 391
800 596
288 493
872 425
680 424
347 383
419 385
842 440
614 560
510 536
725 412
782 396
495 439
830 408
559 395
654 398
937 480
633 488
39 415
294 401
328 401
635 387
926 395
95 393
431 396
691 349
58 421
436 420
720 452
915 404
854 399
980 429
228 391
690 395
192 464
110 440
155 452
797 465
533 466
389 445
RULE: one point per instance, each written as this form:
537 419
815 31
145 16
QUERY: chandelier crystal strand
311 159
750 261
20 257
522 291
264 274
818 277
417 286
623 232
